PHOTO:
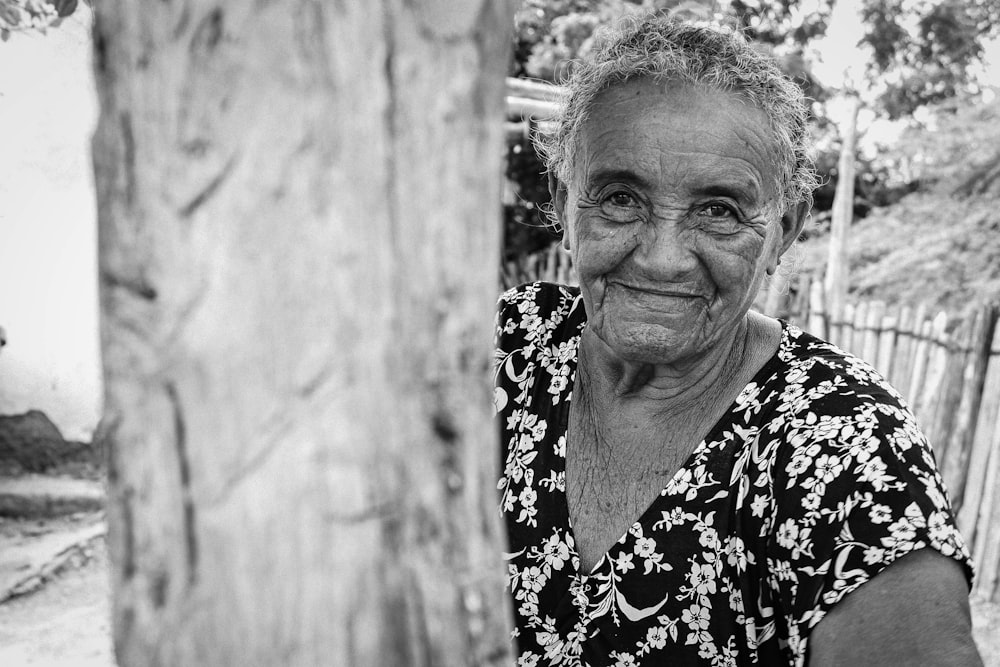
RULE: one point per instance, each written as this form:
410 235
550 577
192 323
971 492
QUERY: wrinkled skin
671 218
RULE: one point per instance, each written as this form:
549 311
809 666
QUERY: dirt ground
66 622
986 630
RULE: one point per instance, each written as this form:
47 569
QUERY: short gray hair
662 48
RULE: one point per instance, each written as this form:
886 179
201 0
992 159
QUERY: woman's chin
643 342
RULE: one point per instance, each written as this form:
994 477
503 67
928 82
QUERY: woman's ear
557 192
791 226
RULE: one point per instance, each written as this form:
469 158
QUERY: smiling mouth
657 291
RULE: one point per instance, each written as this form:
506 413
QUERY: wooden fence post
846 328
888 339
932 384
299 236
946 401
868 349
901 367
837 274
961 432
820 323
981 521
921 353
984 442
859 318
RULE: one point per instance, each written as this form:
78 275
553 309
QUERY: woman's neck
733 360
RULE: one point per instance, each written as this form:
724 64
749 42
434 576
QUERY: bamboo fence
947 369
531 106
552 265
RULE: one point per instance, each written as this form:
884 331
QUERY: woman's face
672 217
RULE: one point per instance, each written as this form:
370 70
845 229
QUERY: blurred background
927 178
923 74
48 228
914 81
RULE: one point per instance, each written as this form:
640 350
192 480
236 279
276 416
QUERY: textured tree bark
299 235
837 270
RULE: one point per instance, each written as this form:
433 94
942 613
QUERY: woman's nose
665 250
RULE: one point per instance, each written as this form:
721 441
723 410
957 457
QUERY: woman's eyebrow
609 175
746 191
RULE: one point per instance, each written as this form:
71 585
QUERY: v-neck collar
713 436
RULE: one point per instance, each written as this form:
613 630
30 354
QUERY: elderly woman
688 481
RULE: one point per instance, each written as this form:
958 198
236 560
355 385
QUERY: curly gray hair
662 48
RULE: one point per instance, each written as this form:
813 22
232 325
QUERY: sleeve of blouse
502 345
510 358
856 487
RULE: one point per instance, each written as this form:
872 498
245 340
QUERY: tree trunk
299 240
837 269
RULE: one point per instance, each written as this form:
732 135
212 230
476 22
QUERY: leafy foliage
526 226
550 34
939 244
37 15
923 49
781 21
959 153
922 52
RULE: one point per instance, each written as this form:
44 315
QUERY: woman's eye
717 211
621 206
623 199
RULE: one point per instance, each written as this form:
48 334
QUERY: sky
48 238
839 60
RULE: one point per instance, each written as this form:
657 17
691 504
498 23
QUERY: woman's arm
915 612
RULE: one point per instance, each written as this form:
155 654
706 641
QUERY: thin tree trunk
299 235
837 269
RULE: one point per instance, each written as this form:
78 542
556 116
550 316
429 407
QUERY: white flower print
748 396
555 552
812 501
874 555
697 618
645 547
736 555
874 471
782 570
862 448
816 479
533 579
624 659
701 579
623 562
799 464
879 513
828 467
528 659
788 533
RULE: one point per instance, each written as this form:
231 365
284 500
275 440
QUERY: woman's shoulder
545 296
844 483
821 397
821 369
835 416
539 313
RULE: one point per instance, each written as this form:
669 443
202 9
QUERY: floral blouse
815 479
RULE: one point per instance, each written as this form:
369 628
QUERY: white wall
48 237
